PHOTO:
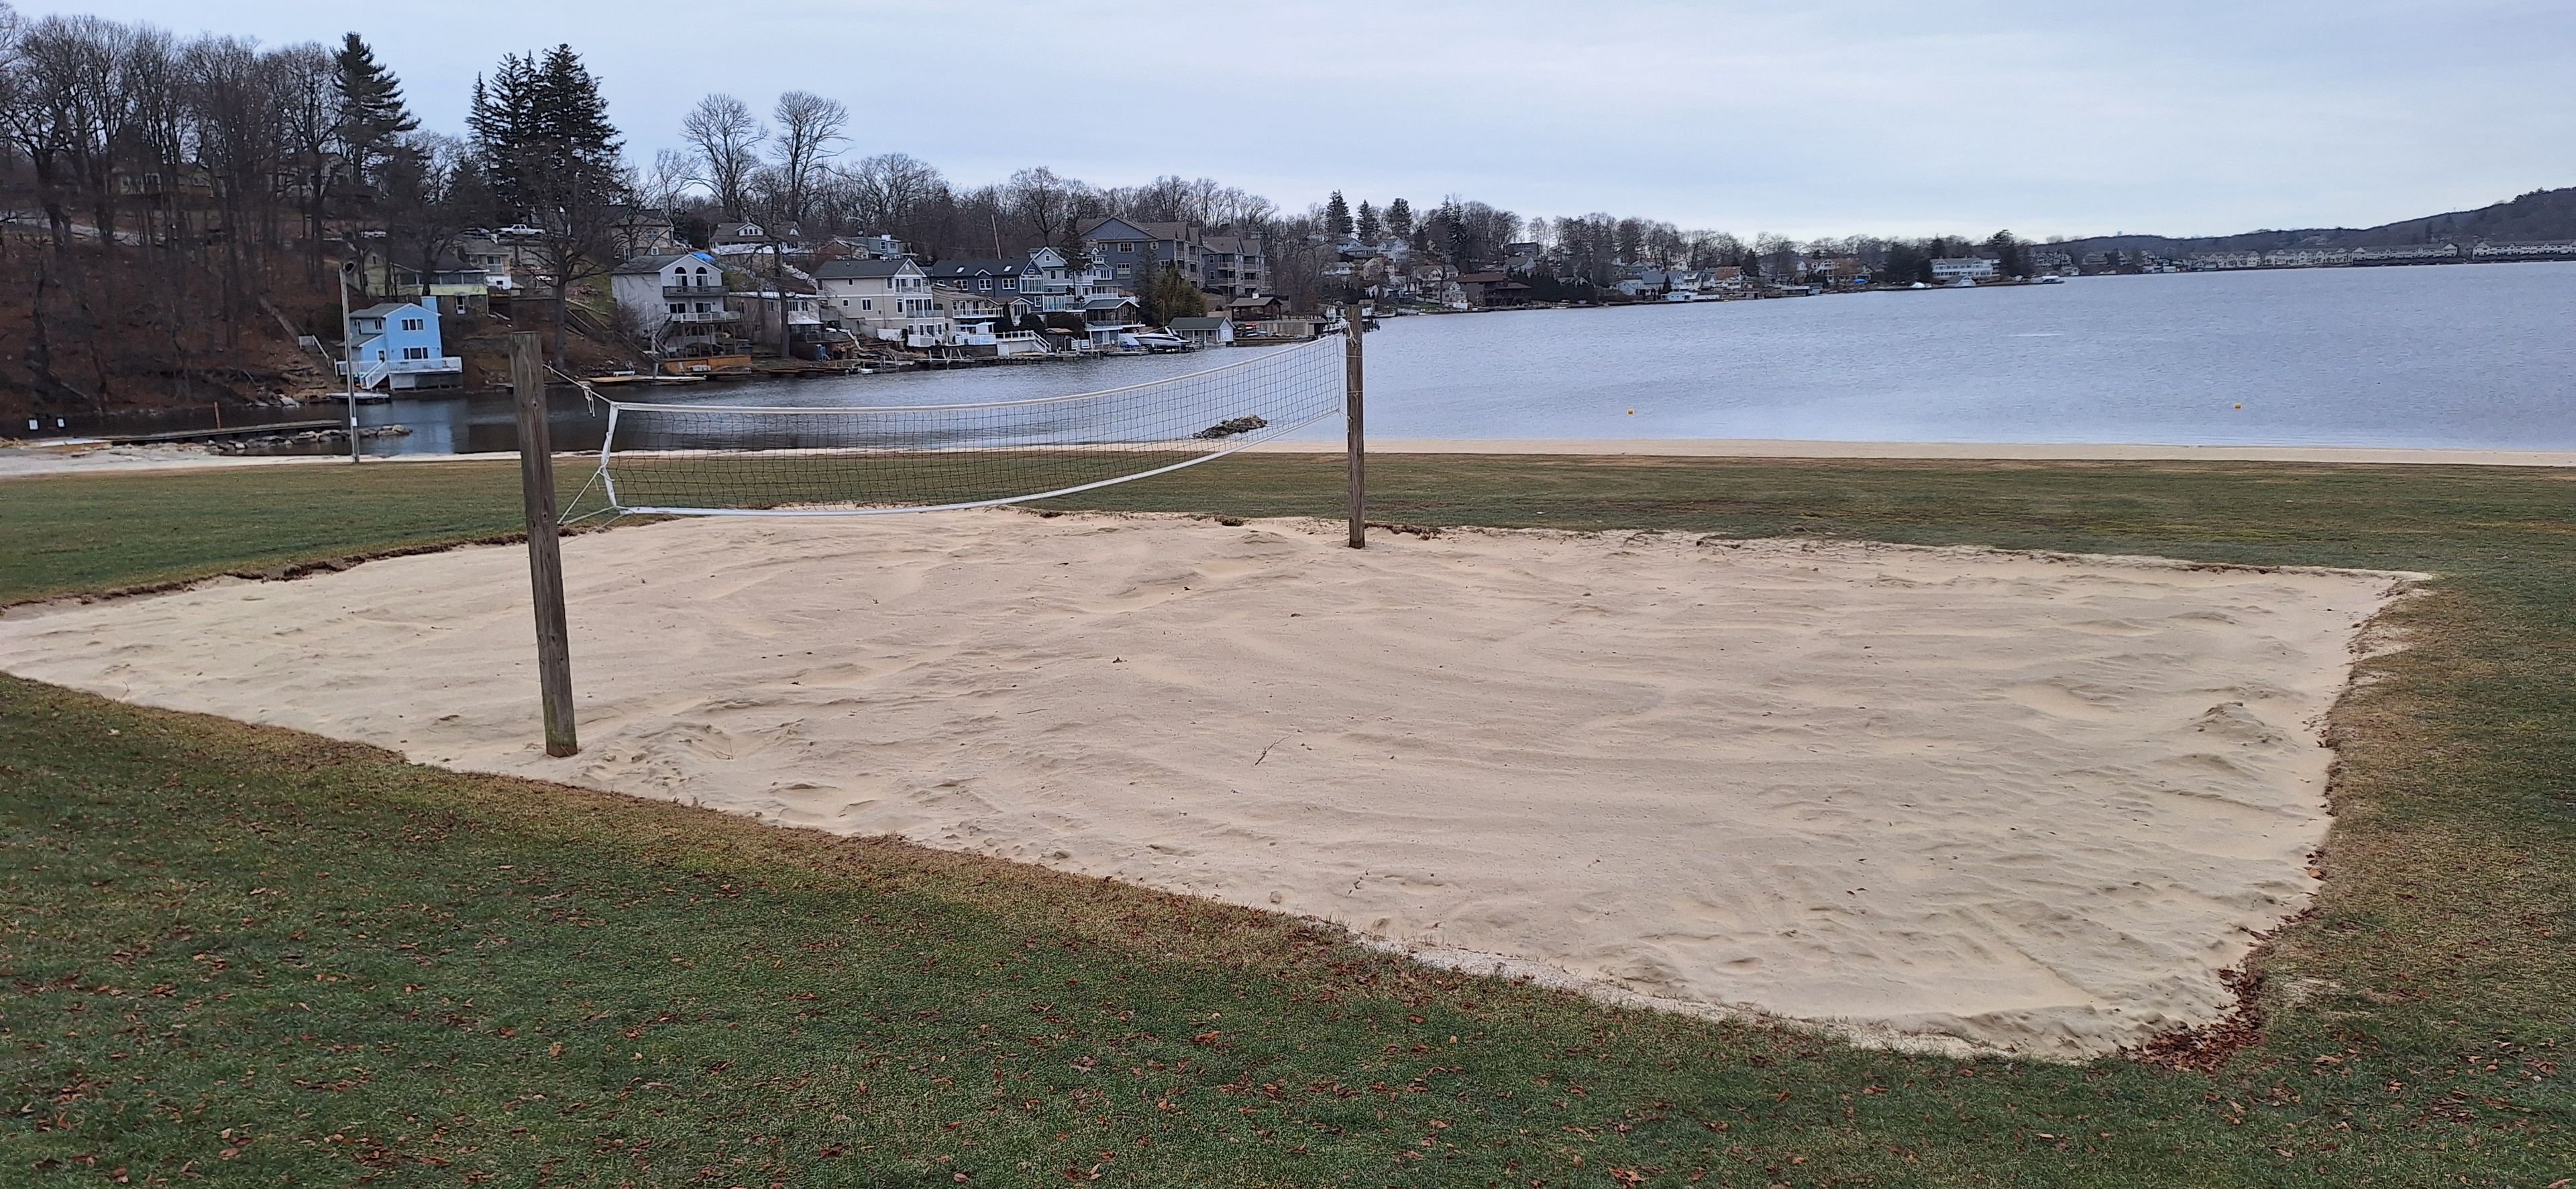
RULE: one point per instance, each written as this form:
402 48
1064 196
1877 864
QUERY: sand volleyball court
2024 801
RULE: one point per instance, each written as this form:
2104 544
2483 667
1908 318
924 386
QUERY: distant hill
2537 216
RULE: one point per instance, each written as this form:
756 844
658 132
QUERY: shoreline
1938 451
19 462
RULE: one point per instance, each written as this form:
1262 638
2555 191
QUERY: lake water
2475 356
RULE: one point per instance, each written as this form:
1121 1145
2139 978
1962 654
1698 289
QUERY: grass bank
255 956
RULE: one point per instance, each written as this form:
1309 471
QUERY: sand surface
2023 801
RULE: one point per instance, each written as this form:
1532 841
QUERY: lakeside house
1963 268
992 277
987 323
884 300
1132 252
1204 332
397 345
1491 290
675 302
1255 309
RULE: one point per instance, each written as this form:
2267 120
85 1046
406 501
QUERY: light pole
349 360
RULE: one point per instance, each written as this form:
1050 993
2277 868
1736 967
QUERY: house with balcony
1949 269
1057 285
395 346
676 301
883 300
1233 265
984 323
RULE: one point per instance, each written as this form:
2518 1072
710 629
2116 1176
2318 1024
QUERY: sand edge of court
1155 646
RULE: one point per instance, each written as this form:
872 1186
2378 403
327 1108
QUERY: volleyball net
842 460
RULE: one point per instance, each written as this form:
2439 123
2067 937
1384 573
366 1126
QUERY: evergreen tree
1337 215
1172 296
2012 256
1399 219
1370 228
501 119
545 146
571 116
371 114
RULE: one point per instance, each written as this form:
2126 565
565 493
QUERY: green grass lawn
252 956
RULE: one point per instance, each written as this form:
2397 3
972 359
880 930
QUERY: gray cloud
2187 117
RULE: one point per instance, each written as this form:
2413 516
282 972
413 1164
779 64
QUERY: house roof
384 309
1199 323
1478 278
1130 229
969 268
846 269
1108 303
642 265
1244 302
752 233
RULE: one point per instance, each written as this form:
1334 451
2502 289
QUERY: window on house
415 352
867 303
678 307
984 283
411 323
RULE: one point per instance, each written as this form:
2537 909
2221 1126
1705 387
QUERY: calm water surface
2476 356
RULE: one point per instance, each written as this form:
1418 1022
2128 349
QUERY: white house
676 300
1205 332
1974 268
396 345
888 300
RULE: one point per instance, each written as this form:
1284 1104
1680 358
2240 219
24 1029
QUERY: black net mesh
733 459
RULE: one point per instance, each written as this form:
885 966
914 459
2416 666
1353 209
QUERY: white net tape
710 460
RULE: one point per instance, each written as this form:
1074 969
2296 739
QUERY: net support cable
856 460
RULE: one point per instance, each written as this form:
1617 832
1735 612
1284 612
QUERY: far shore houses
848 293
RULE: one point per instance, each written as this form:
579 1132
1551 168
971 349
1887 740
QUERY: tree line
171 197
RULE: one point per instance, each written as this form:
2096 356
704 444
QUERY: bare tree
896 194
726 139
308 109
1052 207
809 134
661 184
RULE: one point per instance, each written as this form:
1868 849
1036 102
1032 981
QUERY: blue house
396 347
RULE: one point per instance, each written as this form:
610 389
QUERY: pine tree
571 117
1370 228
371 112
1399 219
1337 215
1172 296
546 148
502 121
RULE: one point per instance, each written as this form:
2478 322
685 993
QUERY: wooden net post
545 557
1352 420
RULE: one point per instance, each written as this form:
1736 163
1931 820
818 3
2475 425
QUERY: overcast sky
2071 117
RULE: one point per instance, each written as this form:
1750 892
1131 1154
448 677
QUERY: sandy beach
1936 795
